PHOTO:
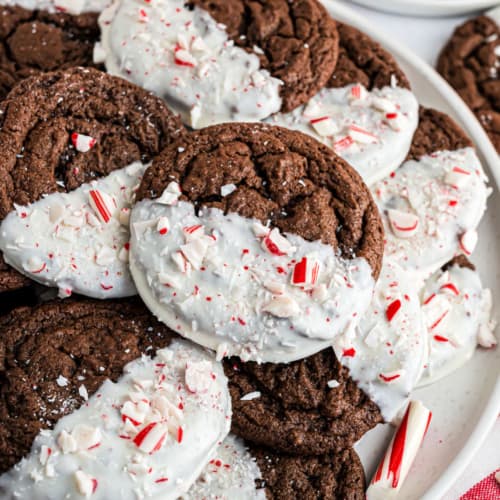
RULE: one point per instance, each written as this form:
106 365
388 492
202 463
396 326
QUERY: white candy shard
282 307
250 396
170 195
198 376
85 484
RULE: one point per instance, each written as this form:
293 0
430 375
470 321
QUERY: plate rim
489 156
427 8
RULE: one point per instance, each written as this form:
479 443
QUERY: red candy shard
392 309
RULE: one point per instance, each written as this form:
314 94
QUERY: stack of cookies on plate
227 258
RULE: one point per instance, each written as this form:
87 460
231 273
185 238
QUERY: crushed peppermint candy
250 396
131 436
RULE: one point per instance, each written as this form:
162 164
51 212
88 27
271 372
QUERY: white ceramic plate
466 403
429 7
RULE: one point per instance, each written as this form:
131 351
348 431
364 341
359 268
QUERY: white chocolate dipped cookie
74 7
147 434
206 264
432 205
457 315
386 353
366 113
216 62
66 199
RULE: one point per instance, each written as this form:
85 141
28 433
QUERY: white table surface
426 36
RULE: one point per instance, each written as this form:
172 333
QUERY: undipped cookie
255 241
221 60
40 36
432 205
307 407
366 113
470 62
103 400
74 146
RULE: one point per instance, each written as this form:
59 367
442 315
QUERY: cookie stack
258 241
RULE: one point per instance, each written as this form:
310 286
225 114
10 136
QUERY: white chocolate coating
354 123
431 209
185 57
74 7
387 350
457 310
229 475
224 291
63 240
104 450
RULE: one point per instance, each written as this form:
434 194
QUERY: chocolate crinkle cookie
469 61
308 407
40 41
48 352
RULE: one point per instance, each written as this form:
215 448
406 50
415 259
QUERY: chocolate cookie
264 231
365 61
436 132
299 41
40 41
366 112
308 407
241 471
71 132
335 476
469 62
222 61
49 351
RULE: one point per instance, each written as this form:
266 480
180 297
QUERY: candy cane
399 457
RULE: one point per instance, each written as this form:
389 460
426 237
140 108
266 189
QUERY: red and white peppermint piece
343 143
193 232
83 143
86 437
170 195
133 413
86 485
184 58
392 309
324 126
45 453
358 93
395 465
389 377
468 241
151 437
282 307
458 177
397 121
305 273
435 309
163 225
403 224
361 135
181 262
450 288
103 204
276 244
198 376
35 265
